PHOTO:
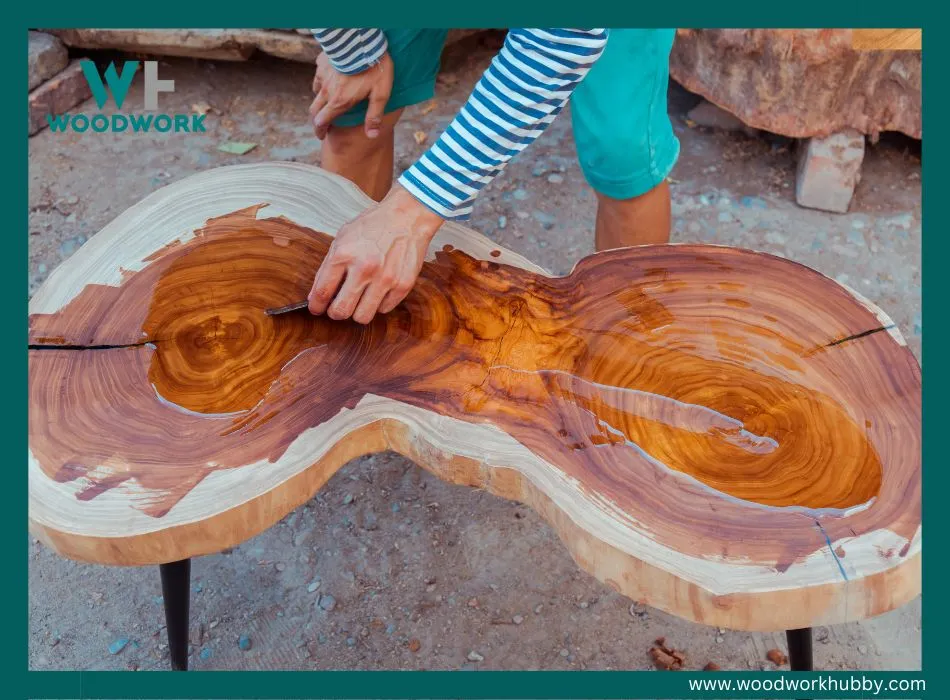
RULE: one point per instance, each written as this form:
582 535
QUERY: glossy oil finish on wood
733 406
640 364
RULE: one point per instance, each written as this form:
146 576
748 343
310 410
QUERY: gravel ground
387 567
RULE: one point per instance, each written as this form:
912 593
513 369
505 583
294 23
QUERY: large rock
219 44
801 82
47 57
57 95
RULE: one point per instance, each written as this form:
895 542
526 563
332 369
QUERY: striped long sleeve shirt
523 90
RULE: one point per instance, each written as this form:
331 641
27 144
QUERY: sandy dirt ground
387 567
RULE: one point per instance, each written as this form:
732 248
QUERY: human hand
375 259
337 92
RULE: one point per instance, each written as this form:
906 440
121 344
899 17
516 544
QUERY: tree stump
722 434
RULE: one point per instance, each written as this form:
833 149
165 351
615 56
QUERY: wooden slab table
724 435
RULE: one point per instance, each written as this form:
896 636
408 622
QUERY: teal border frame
18 681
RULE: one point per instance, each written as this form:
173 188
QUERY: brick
59 94
828 170
47 57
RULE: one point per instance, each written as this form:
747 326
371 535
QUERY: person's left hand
375 259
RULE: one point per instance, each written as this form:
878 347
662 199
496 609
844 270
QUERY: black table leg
799 649
176 585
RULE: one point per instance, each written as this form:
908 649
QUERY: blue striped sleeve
523 90
352 50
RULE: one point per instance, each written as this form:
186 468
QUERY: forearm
520 94
351 50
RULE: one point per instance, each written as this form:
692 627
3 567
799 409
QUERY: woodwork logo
118 84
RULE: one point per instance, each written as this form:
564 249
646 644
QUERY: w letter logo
118 84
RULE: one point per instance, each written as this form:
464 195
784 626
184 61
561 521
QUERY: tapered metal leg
799 649
176 590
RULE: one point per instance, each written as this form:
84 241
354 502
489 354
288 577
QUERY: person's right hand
337 92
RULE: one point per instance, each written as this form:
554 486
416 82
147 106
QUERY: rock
47 57
327 603
828 170
711 666
350 642
313 585
801 82
475 656
546 220
712 117
244 642
390 629
584 605
118 645
555 179
862 649
58 95
538 608
518 619
280 566
369 521
520 194
72 199
414 645
348 499
754 203
502 222
217 44
776 657
665 658
565 653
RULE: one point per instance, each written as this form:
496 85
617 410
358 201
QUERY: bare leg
366 162
637 221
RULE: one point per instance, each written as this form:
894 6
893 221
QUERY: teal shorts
625 141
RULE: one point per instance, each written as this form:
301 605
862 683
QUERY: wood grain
886 39
712 431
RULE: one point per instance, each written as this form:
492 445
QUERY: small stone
776 657
724 203
857 223
54 640
538 608
369 521
713 117
390 629
475 656
71 219
522 214
472 602
214 623
41 268
350 642
584 605
395 508
565 653
862 649
72 199
719 639
828 170
518 619
555 179
520 194
244 642
546 220
711 666
414 645
327 602
348 499
313 585
725 217
754 203
205 654
118 645
856 237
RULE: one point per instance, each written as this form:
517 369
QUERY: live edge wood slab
721 434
